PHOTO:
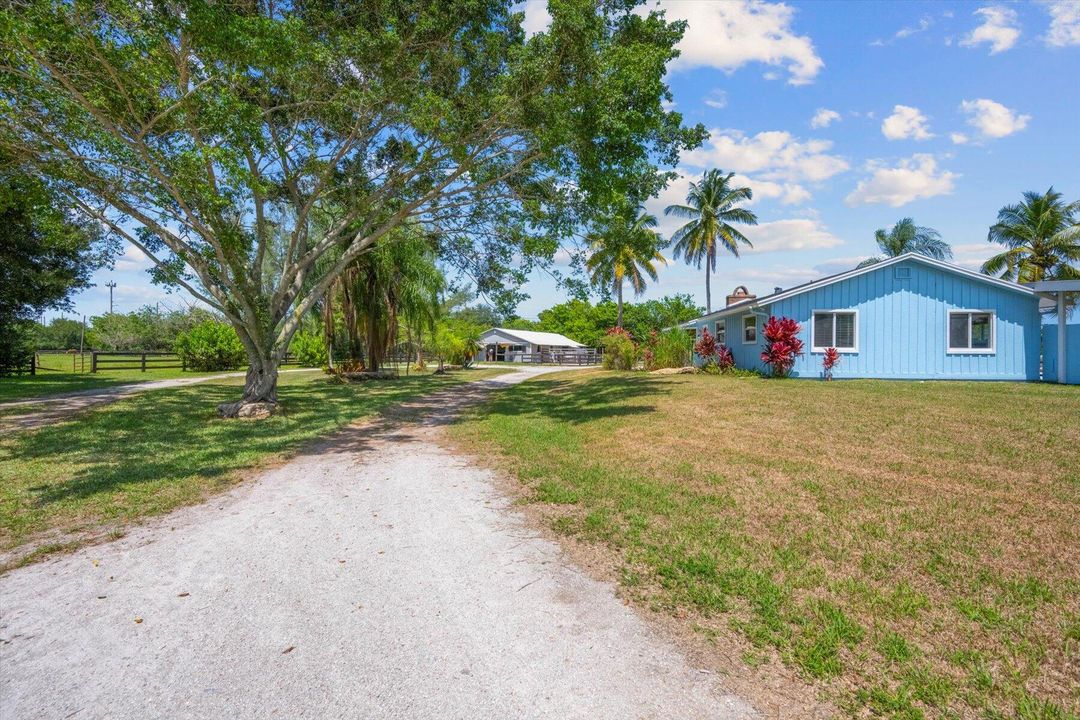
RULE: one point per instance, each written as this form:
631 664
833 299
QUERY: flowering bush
782 345
831 360
620 352
705 347
725 359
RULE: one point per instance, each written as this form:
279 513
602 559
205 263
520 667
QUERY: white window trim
833 311
992 350
721 323
742 329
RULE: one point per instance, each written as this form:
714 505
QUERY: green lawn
155 451
46 383
911 549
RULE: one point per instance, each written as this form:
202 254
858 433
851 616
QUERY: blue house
908 317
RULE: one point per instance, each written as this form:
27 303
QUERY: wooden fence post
33 363
144 362
93 362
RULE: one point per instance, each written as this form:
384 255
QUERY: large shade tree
47 253
1041 236
624 249
907 237
237 144
712 208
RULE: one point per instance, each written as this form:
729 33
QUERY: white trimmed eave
755 304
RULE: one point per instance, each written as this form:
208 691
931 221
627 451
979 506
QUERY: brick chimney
739 294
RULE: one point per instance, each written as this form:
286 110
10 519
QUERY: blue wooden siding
1072 353
902 324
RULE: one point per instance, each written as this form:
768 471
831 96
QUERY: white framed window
971 332
749 329
721 332
834 328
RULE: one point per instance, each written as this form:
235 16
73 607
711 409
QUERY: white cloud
772 155
914 178
786 193
760 281
795 234
537 17
132 259
906 122
728 35
823 118
837 265
992 119
973 255
1064 23
717 99
924 24
999 29
958 138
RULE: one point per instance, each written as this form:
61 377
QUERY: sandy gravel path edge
376 575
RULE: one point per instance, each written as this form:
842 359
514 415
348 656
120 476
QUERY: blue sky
843 117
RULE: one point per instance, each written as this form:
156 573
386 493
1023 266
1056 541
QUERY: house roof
533 337
838 277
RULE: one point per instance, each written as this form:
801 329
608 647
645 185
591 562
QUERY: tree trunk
618 320
260 390
708 290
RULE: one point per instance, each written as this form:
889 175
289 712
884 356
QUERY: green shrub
310 349
211 345
669 349
620 352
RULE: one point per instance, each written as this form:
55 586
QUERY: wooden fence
589 357
104 361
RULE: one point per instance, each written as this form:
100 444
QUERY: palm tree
621 251
1042 235
907 237
711 207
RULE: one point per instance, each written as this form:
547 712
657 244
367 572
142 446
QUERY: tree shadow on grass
165 448
580 401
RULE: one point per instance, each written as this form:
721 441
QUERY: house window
834 328
971 331
721 332
749 329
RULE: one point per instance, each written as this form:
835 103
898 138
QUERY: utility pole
82 334
110 285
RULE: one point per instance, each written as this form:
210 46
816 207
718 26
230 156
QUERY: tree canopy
712 206
587 323
239 145
624 248
46 254
904 237
1041 236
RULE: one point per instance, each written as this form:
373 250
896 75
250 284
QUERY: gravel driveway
376 576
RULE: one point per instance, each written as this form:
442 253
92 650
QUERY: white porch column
1061 336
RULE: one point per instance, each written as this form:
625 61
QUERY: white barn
507 345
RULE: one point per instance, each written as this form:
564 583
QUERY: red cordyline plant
705 347
831 360
782 345
725 359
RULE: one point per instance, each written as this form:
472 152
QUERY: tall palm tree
624 250
712 205
1042 235
904 237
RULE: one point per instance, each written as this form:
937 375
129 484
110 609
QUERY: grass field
911 549
57 376
161 449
